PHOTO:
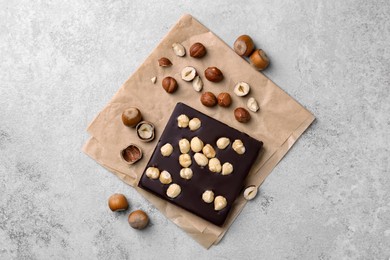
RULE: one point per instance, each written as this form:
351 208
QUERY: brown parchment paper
279 123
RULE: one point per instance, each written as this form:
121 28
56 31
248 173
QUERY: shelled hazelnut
185 160
242 115
188 73
215 165
165 177
164 62
182 121
186 173
184 145
178 49
201 159
220 203
194 124
152 173
250 192
166 150
223 142
238 146
145 131
173 190
208 196
196 144
227 168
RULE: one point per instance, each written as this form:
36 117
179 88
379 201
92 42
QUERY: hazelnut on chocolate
166 150
173 190
220 203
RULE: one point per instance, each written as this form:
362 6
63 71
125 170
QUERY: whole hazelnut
259 59
118 202
197 50
169 84
213 74
244 45
164 62
242 115
224 99
131 117
138 219
208 99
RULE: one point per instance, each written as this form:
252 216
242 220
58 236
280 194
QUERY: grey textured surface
60 63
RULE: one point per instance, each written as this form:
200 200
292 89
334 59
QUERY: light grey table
60 63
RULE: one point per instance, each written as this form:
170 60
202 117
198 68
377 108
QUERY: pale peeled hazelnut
186 173
184 145
166 150
209 151
220 202
152 173
173 190
208 196
185 160
145 131
138 219
165 177
241 89
238 146
188 73
223 142
182 121
178 49
215 165
250 192
118 202
227 168
154 79
201 159
197 84
196 144
194 124
252 104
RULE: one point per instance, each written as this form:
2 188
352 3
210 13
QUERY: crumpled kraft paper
279 123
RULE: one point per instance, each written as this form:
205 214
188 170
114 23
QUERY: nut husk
145 131
131 154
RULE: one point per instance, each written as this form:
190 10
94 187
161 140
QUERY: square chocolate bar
219 171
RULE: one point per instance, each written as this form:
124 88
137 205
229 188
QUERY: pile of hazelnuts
138 219
244 47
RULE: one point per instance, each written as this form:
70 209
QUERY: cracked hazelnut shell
131 154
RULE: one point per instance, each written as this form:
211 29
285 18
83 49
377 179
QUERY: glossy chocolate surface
228 186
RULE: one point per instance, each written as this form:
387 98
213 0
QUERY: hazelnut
242 115
250 192
197 84
169 84
259 59
173 190
208 99
131 117
220 202
197 50
184 145
165 177
241 89
195 124
138 219
166 150
223 142
215 165
145 131
238 146
185 160
196 144
131 154
186 173
152 173
182 121
164 62
244 45
213 74
224 99
227 168
178 49
201 159
208 196
209 151
118 202
188 73
154 79
252 104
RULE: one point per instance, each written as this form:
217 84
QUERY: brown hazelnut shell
138 219
118 202
259 59
244 45
208 99
131 154
213 74
131 116
197 50
169 84
224 99
242 115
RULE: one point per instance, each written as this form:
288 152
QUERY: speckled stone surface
60 63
